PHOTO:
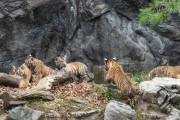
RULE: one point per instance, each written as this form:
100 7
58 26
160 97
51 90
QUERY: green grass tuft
139 76
107 92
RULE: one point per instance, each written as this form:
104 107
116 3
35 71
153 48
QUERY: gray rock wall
85 30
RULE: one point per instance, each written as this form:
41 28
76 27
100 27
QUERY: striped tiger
38 68
116 74
165 71
77 70
24 72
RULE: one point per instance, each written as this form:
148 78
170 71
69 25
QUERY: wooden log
40 91
57 77
11 80
99 74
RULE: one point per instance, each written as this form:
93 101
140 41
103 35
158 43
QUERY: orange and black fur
115 74
165 71
38 68
24 72
77 70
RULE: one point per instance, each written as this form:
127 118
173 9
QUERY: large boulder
119 111
163 91
174 114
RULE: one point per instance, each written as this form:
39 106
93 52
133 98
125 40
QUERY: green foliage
158 11
139 76
111 94
139 115
38 104
107 92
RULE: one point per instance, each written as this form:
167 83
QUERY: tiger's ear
114 58
65 56
105 59
14 67
29 56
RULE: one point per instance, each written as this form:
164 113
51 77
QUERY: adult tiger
165 71
24 72
77 70
38 68
116 74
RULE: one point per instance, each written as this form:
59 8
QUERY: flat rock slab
151 88
25 113
174 115
87 115
154 85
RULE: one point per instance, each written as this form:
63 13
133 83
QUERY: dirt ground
69 97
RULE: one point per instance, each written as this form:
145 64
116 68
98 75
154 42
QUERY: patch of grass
100 88
139 76
3 111
139 115
107 92
111 94
39 104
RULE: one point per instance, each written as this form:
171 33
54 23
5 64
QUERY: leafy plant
139 76
158 11
107 92
111 94
139 115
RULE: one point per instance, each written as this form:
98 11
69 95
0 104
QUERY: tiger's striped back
165 71
116 74
77 69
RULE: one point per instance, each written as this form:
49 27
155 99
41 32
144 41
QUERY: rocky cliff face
85 30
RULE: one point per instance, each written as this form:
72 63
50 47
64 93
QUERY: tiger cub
115 74
77 70
38 68
24 72
165 71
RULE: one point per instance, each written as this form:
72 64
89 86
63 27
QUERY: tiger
38 68
115 73
165 71
77 70
24 72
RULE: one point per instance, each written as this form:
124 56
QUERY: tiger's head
109 62
21 70
60 62
28 61
32 62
